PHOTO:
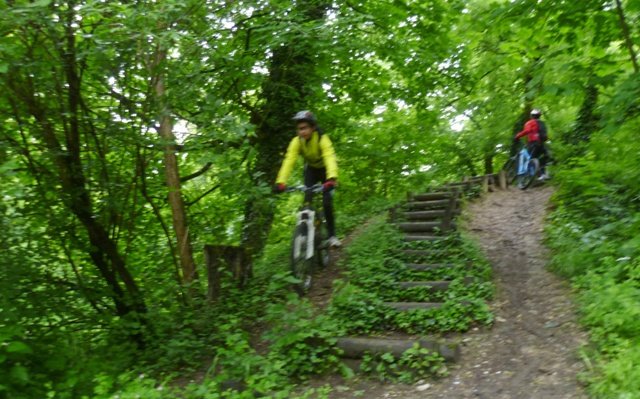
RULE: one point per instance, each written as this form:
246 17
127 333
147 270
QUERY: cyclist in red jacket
536 133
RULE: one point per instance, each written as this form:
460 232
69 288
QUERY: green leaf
19 374
39 3
18 347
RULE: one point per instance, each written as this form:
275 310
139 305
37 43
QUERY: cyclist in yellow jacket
320 165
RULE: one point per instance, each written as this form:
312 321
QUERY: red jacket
530 130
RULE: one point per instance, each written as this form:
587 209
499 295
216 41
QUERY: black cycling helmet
305 116
536 113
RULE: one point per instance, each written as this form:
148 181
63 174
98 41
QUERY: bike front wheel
323 251
511 169
301 266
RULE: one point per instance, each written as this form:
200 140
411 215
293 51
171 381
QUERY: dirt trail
531 351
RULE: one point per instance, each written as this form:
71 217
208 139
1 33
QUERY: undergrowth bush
594 232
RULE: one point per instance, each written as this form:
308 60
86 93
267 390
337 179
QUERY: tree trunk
627 36
285 90
587 120
488 164
103 252
180 225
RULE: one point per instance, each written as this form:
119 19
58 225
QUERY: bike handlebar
316 188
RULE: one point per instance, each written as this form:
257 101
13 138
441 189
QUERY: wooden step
356 347
421 267
417 237
432 285
423 252
460 185
431 196
404 306
423 215
419 227
434 204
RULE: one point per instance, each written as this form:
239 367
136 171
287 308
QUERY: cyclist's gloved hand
279 188
329 185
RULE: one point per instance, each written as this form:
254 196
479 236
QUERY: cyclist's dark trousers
538 150
319 175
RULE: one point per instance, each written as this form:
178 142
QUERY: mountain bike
309 247
522 169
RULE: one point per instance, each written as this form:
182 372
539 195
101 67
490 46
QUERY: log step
403 306
432 196
415 237
460 185
423 252
420 226
419 267
423 215
435 204
432 285
356 348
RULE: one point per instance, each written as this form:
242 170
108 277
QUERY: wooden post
233 258
485 184
502 178
393 214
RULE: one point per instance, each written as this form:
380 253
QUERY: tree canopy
136 132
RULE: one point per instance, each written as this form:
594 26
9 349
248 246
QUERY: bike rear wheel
301 267
533 166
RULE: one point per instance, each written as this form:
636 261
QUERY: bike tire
301 267
532 172
323 252
511 169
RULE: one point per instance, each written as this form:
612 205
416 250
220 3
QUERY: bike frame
523 160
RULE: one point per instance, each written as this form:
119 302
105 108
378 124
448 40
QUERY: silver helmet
536 113
305 116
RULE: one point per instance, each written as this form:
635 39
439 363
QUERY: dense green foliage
596 233
134 132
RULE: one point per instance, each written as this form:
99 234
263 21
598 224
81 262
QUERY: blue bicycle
528 169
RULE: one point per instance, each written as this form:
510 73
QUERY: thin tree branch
203 170
212 189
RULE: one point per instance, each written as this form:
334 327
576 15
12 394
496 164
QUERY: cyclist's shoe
333 241
543 177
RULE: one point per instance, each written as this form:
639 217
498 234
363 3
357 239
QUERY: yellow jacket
318 152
